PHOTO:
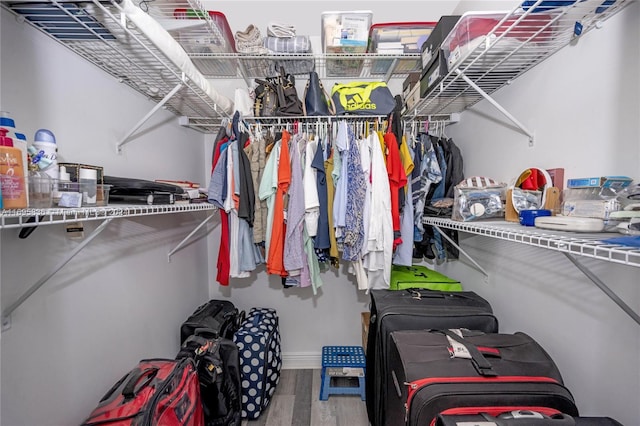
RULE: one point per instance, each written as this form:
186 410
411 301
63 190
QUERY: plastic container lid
89 174
44 135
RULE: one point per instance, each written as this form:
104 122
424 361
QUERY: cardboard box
613 182
365 319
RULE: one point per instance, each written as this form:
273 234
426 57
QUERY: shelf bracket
139 124
185 239
6 314
391 70
602 286
477 266
497 106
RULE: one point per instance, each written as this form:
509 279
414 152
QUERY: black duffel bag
218 316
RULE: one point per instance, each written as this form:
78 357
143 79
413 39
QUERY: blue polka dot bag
258 341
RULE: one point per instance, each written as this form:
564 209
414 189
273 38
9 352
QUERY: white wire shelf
98 32
519 42
587 245
22 218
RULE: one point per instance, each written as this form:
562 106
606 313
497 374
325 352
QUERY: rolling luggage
220 316
158 392
523 418
414 310
418 276
218 366
258 341
434 372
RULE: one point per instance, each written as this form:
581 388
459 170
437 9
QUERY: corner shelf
569 243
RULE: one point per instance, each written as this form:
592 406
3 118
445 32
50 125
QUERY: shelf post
602 286
446 237
156 107
185 239
6 320
497 106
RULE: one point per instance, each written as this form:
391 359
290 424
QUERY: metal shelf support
185 239
497 106
126 139
476 264
6 315
602 286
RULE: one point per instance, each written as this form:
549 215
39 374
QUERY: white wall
583 105
119 300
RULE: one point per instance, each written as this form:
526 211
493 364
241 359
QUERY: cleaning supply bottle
12 174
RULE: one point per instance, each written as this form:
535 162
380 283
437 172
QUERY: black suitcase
523 418
220 316
414 310
430 374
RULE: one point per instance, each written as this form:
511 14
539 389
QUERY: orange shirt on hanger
275 262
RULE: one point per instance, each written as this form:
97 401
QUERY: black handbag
316 99
288 102
266 99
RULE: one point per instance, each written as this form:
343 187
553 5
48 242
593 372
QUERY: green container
405 277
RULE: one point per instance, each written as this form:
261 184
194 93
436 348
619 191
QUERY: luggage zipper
146 420
417 385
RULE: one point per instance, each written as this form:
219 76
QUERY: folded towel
280 30
250 41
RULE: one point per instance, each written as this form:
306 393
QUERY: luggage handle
129 389
479 362
419 293
206 331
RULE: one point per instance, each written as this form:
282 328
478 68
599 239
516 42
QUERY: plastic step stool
342 361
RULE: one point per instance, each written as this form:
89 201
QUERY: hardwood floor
296 402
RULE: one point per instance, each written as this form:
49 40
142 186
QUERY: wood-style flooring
296 402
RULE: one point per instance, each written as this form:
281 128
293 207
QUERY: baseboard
301 360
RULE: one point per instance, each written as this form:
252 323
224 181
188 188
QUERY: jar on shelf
40 188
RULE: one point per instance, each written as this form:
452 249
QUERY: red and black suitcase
523 418
158 392
414 309
435 372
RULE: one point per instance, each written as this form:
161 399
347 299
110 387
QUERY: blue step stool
341 361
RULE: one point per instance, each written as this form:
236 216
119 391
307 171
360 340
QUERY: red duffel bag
158 392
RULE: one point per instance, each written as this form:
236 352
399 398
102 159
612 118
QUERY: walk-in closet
90 292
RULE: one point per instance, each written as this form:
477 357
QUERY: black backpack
218 365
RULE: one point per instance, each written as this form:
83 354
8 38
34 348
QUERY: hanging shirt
380 236
311 200
340 197
257 158
333 248
222 264
275 263
322 240
267 192
365 161
356 190
294 258
397 179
